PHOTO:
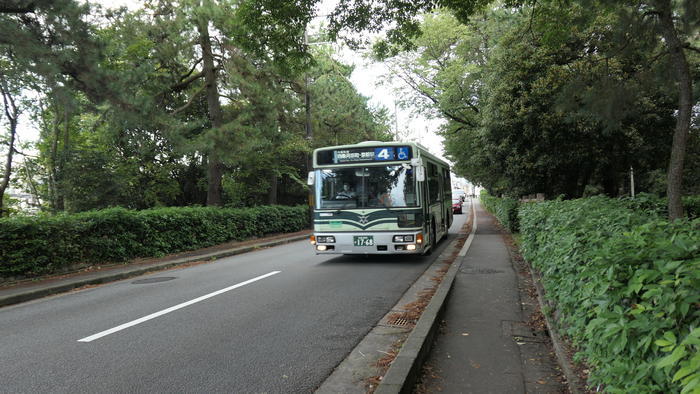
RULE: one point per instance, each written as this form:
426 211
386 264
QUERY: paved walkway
487 342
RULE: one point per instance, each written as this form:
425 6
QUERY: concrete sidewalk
490 340
41 287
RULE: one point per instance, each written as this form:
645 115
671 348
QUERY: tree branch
189 102
692 48
413 85
194 66
24 154
186 82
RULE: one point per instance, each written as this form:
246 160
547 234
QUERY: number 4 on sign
384 153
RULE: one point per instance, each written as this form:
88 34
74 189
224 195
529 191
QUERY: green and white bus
379 198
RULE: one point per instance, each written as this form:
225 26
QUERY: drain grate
400 321
153 280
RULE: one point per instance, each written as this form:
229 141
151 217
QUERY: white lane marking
173 308
468 243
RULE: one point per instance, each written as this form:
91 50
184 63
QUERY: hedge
505 209
31 246
652 203
626 285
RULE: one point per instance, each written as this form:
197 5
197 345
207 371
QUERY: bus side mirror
311 178
420 173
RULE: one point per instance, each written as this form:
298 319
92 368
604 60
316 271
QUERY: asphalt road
207 328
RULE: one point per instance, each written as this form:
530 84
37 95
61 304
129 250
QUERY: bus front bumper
369 243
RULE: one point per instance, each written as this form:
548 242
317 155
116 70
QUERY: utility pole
632 181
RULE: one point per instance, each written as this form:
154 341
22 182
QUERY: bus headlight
403 238
326 239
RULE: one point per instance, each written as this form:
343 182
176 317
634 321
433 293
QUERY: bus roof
420 150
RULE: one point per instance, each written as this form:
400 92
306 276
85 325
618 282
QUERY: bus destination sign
364 155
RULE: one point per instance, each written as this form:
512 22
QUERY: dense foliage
551 97
40 245
504 209
625 284
174 103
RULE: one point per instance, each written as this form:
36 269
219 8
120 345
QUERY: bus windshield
366 187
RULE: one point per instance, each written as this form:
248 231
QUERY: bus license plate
363 240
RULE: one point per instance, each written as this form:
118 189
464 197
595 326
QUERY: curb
406 367
30 294
573 381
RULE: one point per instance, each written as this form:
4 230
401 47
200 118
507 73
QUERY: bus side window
447 185
433 184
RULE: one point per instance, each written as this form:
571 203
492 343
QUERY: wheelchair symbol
403 154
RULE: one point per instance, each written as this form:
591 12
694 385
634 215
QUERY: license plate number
363 240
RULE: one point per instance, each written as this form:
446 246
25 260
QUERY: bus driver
346 193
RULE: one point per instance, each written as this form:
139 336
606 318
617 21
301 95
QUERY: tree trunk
674 189
214 165
54 194
11 113
63 159
272 196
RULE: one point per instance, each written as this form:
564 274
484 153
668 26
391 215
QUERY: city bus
379 198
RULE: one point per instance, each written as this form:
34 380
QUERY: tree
532 109
11 112
341 115
672 40
365 15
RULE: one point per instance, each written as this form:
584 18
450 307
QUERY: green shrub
652 203
625 283
692 206
39 245
505 209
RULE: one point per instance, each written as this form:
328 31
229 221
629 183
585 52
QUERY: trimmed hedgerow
39 245
626 285
505 209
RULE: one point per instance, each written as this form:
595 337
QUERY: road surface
270 321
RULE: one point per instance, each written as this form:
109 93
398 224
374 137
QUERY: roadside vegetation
31 246
623 285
